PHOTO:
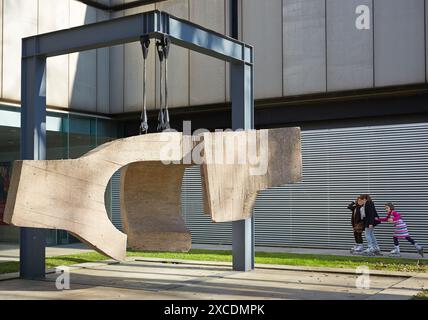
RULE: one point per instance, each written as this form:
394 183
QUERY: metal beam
154 24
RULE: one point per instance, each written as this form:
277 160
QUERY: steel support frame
154 24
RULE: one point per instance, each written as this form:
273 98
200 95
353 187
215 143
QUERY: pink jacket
395 216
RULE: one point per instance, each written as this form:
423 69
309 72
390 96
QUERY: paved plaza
156 279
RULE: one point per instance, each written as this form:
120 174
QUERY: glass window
9 151
56 136
56 149
107 130
82 135
68 136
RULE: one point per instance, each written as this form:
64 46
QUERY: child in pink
400 230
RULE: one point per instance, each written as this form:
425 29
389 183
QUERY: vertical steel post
242 118
33 147
241 88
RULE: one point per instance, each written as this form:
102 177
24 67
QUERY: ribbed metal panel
115 203
199 223
389 162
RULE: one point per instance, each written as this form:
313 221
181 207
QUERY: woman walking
371 220
400 230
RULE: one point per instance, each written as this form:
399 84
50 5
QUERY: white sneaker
395 252
359 249
420 250
377 252
368 252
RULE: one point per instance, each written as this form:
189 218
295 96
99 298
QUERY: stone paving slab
287 267
284 284
156 280
407 287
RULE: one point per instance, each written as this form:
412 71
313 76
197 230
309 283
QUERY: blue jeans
371 239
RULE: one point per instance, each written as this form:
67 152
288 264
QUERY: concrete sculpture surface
69 194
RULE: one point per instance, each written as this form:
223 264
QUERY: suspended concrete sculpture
69 194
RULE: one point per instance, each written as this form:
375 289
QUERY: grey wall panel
117 70
202 229
55 15
103 72
399 42
19 20
304 46
116 79
262 28
390 165
29 17
103 68
207 72
349 50
228 31
133 92
178 60
83 66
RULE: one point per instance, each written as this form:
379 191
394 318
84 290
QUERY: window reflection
68 136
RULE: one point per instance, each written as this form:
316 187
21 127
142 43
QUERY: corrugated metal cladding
202 229
389 162
115 202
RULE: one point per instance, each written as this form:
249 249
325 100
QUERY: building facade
351 73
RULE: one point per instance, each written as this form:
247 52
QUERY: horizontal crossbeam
155 24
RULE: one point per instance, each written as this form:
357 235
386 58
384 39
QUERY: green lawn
9 267
291 259
294 259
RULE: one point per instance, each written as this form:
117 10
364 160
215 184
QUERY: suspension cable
163 52
144 126
166 54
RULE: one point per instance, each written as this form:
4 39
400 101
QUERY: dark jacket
357 223
371 214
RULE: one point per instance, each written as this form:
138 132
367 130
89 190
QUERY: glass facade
68 136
